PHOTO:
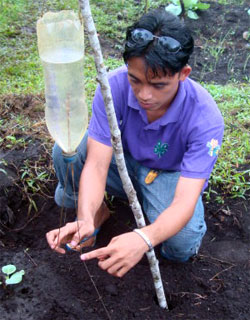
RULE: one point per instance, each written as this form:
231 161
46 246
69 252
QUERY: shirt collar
171 115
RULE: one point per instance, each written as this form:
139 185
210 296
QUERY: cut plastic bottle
61 49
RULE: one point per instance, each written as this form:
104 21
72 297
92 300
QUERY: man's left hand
122 253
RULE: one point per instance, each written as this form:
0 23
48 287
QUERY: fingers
51 237
72 232
60 250
113 268
108 261
53 241
121 272
69 231
82 231
101 254
122 253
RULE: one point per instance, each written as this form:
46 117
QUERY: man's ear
185 72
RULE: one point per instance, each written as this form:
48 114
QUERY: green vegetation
189 8
11 276
20 67
229 175
21 74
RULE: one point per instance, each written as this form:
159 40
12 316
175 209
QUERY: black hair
158 59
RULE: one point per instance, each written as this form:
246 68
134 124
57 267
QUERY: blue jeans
154 198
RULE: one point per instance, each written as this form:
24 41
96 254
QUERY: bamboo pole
117 144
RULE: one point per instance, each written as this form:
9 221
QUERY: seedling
11 276
186 7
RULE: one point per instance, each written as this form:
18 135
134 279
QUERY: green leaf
176 10
9 269
176 2
202 6
15 278
189 4
25 173
3 171
192 15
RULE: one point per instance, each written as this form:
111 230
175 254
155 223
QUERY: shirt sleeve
98 126
204 143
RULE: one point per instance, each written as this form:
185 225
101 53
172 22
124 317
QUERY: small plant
13 141
186 7
11 276
3 163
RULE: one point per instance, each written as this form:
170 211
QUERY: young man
168 124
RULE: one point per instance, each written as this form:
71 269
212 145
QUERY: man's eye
134 80
159 86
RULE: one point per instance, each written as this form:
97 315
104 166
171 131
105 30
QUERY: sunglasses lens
169 43
141 36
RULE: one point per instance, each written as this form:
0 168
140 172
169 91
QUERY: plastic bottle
61 49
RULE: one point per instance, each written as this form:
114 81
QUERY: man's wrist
145 238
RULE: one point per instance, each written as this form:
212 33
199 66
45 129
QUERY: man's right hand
72 232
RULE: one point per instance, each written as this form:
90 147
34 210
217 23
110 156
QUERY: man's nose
144 93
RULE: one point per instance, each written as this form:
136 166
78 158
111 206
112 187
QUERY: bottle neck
69 157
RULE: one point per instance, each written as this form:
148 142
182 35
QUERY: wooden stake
117 144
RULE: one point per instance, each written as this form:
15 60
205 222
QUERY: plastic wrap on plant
61 49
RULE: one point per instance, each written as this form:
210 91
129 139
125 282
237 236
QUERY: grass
229 174
21 74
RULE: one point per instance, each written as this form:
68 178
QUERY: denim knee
186 243
180 252
68 174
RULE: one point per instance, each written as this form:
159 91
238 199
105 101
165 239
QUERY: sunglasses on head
143 37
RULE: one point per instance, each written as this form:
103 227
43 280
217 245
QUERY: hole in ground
25 290
172 301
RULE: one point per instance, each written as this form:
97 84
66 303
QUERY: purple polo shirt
186 138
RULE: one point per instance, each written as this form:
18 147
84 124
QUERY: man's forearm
91 192
168 223
177 215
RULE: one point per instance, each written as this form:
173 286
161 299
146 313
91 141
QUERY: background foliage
21 73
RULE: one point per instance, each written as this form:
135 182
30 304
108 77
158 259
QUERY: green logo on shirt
160 149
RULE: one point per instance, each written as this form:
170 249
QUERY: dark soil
221 53
214 285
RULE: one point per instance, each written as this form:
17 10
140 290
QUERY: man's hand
122 253
72 233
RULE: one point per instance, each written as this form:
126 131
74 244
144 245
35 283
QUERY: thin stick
85 265
183 11
217 274
98 293
117 144
216 259
62 213
68 121
31 259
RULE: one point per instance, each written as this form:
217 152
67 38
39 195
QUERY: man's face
154 94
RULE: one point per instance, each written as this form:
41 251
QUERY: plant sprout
178 7
11 276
